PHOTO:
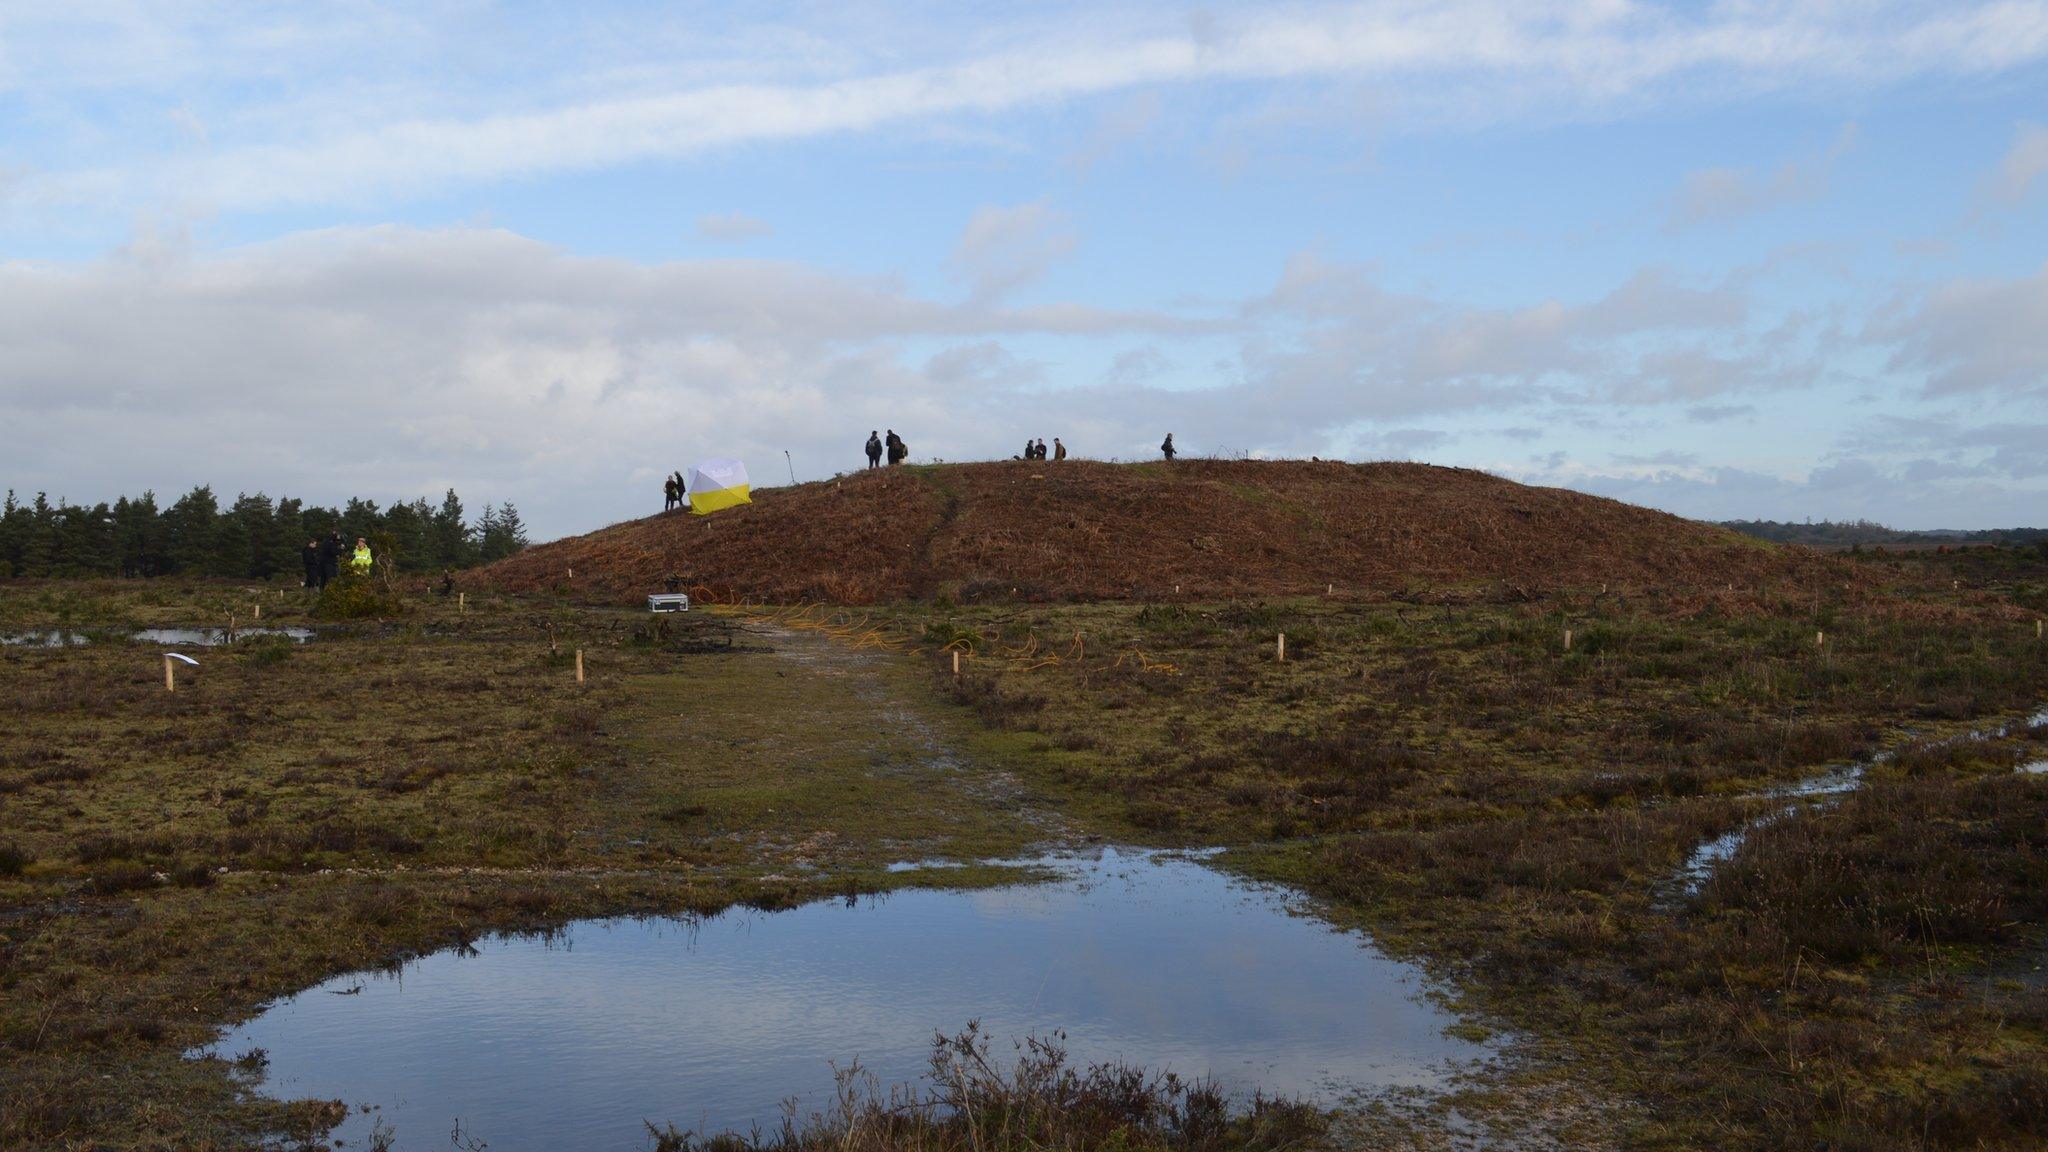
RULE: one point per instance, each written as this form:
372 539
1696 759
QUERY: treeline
254 537
1847 533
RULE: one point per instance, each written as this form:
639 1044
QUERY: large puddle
176 637
572 1041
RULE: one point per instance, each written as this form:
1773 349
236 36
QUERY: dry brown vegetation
1430 761
169 861
1211 528
974 1100
1864 975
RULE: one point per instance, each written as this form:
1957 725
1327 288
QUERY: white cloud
390 361
2023 166
1467 59
1005 248
732 227
395 361
1985 336
1717 195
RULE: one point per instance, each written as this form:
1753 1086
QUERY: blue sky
1728 259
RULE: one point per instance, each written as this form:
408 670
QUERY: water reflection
571 1042
176 637
53 638
214 637
1826 787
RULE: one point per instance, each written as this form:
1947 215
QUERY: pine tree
252 538
287 539
138 536
39 552
190 532
409 529
243 547
450 537
360 518
508 534
14 529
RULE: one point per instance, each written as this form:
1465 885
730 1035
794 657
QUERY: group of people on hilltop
892 444
879 445
322 559
898 451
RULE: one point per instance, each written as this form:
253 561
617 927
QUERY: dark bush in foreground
357 598
1041 1102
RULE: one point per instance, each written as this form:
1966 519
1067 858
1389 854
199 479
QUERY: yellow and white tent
716 484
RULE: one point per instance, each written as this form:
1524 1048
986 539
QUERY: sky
1739 259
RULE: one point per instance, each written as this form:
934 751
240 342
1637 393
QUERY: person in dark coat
668 493
1030 450
898 450
1166 445
874 449
311 558
330 556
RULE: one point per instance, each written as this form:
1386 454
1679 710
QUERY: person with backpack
898 450
1166 446
875 449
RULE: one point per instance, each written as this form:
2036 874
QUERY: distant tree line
1847 533
252 538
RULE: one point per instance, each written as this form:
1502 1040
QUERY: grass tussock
972 1102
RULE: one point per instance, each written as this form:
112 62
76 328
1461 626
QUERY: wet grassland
1865 970
1863 973
171 860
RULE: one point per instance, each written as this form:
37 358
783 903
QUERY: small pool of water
571 1042
46 638
193 637
214 637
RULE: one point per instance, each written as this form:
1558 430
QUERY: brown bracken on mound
1210 528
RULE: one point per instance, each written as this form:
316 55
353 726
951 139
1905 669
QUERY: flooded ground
572 1042
214 637
1822 789
51 638
195 637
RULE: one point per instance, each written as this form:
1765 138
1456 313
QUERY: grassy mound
1206 528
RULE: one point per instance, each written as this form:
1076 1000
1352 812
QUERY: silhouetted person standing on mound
875 449
1166 445
898 450
1059 450
668 494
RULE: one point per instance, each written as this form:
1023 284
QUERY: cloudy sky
1735 259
